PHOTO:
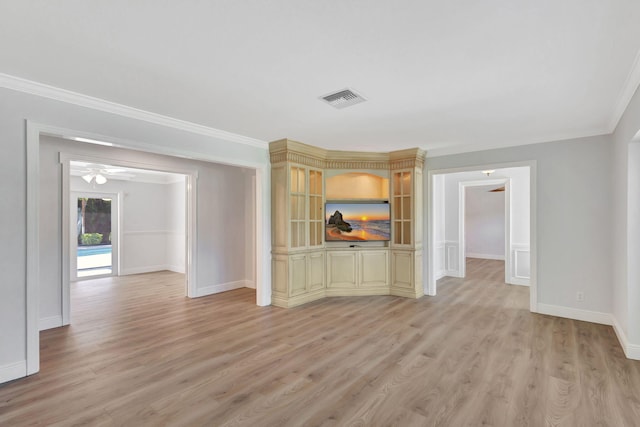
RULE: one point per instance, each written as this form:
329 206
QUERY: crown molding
484 146
39 89
628 90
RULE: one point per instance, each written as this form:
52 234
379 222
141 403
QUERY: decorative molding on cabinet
286 150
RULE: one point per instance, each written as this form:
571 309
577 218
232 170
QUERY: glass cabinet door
316 209
298 212
402 217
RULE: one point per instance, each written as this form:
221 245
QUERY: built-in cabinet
304 266
363 271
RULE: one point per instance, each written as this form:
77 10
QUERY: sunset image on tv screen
357 221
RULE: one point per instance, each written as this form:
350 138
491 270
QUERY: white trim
632 351
223 287
175 268
575 314
142 232
50 322
509 143
13 371
263 237
452 259
33 250
69 263
191 247
145 269
430 283
484 256
58 94
626 93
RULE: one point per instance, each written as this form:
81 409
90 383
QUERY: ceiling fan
497 190
97 174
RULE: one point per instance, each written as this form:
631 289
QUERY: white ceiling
444 76
122 173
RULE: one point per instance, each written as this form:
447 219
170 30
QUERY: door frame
34 131
71 220
191 180
462 239
430 283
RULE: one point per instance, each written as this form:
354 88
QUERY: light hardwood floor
140 353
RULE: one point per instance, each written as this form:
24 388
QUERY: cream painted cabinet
406 242
358 272
304 266
297 210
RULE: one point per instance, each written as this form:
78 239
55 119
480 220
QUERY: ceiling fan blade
113 170
497 190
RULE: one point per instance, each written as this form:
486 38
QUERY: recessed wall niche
341 185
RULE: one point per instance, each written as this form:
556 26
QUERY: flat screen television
354 221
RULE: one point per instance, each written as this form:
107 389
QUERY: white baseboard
632 351
519 281
50 322
575 314
142 270
249 284
453 273
439 275
214 289
13 371
176 268
484 256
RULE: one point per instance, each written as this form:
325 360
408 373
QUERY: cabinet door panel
298 275
316 271
402 269
374 269
341 270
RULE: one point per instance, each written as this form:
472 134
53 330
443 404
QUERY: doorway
94 239
468 235
447 243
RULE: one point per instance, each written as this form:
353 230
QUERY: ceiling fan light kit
98 178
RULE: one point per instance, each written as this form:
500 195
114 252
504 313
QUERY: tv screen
357 222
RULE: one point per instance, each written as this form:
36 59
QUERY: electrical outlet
579 296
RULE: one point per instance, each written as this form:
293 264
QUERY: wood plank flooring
138 353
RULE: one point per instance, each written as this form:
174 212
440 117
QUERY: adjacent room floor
139 353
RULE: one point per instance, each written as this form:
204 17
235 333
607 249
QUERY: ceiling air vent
343 98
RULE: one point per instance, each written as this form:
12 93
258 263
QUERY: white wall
484 222
573 216
625 190
17 106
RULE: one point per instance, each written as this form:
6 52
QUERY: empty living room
320 213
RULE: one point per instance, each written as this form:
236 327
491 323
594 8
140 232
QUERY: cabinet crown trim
286 150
